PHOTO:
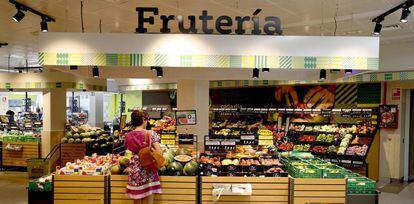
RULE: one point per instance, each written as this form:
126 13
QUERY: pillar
54 120
95 117
194 95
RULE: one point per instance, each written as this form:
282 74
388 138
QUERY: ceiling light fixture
378 27
73 67
154 68
405 6
160 72
95 72
10 90
348 71
265 70
255 73
322 74
405 14
43 26
19 15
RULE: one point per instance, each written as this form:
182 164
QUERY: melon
64 140
162 170
116 169
71 140
78 140
128 154
168 158
124 161
68 134
171 151
76 135
190 169
183 151
175 168
127 170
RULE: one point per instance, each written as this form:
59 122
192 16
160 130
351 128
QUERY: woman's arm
156 142
157 147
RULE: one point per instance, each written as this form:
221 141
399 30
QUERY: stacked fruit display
93 165
97 140
179 162
325 138
20 136
167 124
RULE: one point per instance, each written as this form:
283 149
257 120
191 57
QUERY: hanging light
255 73
160 73
43 26
95 71
19 15
348 71
73 67
322 74
405 14
377 29
154 68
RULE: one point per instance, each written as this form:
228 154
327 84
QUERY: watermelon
168 158
116 169
64 140
162 170
190 169
183 151
175 168
71 140
171 151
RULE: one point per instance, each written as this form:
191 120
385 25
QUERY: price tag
298 111
265 137
289 110
346 161
272 109
281 110
228 143
307 111
212 143
168 136
167 142
316 111
266 142
247 137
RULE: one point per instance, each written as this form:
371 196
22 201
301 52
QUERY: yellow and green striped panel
51 85
198 60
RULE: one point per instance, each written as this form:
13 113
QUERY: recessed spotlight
19 15
95 71
348 71
255 73
265 69
405 14
43 26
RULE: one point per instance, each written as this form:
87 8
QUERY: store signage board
223 51
186 117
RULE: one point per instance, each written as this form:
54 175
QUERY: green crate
361 185
38 167
333 172
298 172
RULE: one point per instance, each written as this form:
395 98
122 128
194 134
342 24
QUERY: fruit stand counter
71 189
16 153
265 190
175 189
311 190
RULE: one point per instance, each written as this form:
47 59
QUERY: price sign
228 143
326 112
212 143
167 142
266 142
168 136
186 117
247 137
265 137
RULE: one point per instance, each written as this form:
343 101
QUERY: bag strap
149 137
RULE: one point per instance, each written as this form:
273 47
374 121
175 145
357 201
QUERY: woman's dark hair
138 117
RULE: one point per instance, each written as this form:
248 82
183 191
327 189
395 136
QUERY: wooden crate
307 190
71 189
175 189
266 190
71 152
13 158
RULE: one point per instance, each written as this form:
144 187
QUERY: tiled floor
13 190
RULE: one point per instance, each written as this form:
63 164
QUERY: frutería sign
223 24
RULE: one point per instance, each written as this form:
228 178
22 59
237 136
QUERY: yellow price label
168 142
265 137
168 137
266 142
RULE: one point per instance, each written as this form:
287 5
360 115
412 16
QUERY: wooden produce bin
30 150
265 190
175 189
71 189
313 190
71 152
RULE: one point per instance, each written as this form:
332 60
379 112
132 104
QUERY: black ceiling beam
405 4
26 8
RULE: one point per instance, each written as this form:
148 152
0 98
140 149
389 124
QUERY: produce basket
38 167
333 172
361 185
36 185
306 172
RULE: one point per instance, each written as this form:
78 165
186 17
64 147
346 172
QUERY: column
95 117
194 95
54 119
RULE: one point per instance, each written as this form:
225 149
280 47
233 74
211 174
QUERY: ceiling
298 17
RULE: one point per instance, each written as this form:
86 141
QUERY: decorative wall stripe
345 94
52 85
223 61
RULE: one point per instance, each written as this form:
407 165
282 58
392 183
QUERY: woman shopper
142 182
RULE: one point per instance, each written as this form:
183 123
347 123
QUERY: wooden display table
29 150
71 189
265 190
308 190
175 189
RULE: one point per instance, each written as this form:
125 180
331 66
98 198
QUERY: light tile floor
13 190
